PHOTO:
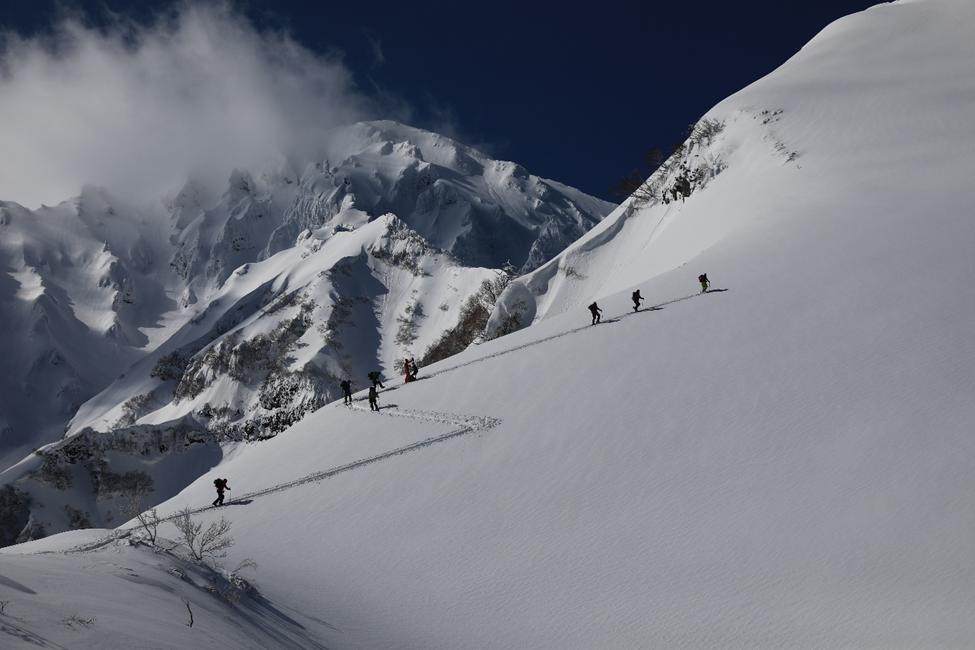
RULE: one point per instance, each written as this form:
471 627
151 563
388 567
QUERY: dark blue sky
572 94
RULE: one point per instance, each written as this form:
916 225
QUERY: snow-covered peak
100 288
784 461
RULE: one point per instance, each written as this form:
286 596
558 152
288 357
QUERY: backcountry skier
595 310
221 485
374 378
346 391
373 398
637 299
705 283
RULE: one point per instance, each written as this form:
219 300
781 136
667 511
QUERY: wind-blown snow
782 462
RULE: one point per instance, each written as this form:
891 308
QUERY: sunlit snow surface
783 462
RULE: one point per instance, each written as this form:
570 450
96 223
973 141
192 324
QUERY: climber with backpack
705 283
221 485
374 378
637 299
596 311
346 390
373 398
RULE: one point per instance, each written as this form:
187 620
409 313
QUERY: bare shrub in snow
149 520
237 585
74 619
570 271
203 544
633 183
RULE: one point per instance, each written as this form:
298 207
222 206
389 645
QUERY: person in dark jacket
637 299
221 485
705 283
346 390
596 311
373 399
374 378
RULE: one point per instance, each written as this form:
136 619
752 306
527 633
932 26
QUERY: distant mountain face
229 317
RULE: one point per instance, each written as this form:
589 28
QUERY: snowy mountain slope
120 270
843 134
228 317
782 462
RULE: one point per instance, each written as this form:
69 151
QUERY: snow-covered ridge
785 461
241 312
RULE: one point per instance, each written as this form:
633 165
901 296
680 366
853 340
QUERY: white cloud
139 108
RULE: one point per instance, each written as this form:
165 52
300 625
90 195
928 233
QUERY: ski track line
466 424
561 334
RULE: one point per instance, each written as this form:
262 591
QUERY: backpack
373 375
703 277
593 307
219 483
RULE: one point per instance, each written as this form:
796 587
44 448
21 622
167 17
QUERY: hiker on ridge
373 398
346 391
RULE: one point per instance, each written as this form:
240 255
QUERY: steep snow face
229 317
838 132
484 212
79 298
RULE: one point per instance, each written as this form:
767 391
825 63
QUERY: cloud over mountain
138 107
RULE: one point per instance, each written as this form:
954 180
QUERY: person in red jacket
221 484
